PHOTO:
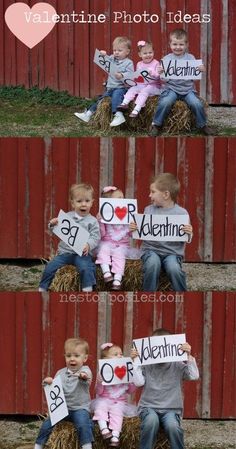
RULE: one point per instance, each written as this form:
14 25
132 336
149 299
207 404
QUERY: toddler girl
143 90
114 244
111 402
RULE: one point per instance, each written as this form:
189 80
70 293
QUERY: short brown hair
167 181
76 342
122 40
160 331
179 33
82 186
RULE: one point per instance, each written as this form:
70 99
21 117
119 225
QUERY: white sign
181 69
116 371
160 349
117 210
56 401
131 79
165 228
71 233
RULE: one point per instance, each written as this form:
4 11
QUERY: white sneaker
84 116
118 119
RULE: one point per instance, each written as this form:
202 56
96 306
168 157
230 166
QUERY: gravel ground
200 276
199 434
222 117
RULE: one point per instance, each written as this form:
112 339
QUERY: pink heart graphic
30 25
121 212
120 371
140 79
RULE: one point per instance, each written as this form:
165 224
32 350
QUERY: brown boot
207 131
154 131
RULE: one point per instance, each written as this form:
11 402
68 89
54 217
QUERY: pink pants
143 92
109 411
112 254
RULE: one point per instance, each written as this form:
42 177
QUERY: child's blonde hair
105 349
167 182
179 33
73 342
107 191
122 40
142 44
82 186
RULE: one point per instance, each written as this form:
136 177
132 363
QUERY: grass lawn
39 113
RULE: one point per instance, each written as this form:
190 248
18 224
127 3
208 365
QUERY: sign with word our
131 79
117 210
56 401
160 349
181 69
71 233
166 228
116 371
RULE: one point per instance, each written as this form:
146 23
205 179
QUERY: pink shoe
106 434
107 277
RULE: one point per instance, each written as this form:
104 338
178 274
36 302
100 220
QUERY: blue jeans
83 424
152 264
116 96
150 422
169 97
84 265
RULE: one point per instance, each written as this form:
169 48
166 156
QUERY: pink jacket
152 69
114 233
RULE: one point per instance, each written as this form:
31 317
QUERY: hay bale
64 436
67 279
179 120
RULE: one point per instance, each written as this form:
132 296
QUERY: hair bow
106 345
141 43
108 188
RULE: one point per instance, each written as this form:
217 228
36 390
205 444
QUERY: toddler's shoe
116 285
114 442
123 107
107 277
134 113
154 130
207 131
118 119
84 116
106 434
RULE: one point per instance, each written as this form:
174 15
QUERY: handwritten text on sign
160 349
117 210
71 233
166 228
116 371
131 79
56 401
181 69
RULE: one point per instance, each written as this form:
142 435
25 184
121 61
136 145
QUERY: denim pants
116 96
84 265
169 97
83 424
150 422
152 264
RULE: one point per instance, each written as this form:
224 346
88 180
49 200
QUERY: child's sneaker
134 113
107 277
118 119
114 442
116 285
84 116
106 434
123 107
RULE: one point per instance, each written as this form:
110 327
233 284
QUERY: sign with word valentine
131 79
116 371
160 349
117 210
56 401
181 69
71 233
165 228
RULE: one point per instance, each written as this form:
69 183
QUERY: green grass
40 113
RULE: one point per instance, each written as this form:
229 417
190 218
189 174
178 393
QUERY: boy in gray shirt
115 88
181 89
81 196
161 399
156 254
76 379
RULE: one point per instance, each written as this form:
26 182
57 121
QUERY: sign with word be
56 401
71 233
177 69
165 228
117 210
116 371
160 349
130 79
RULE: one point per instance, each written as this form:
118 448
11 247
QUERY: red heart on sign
140 79
120 371
120 212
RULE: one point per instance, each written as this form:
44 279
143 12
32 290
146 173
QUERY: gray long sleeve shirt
182 86
164 248
124 66
76 390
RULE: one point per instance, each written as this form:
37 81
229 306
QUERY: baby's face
120 51
75 357
178 46
82 202
114 352
147 54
